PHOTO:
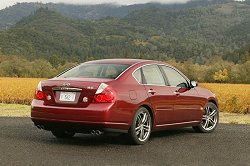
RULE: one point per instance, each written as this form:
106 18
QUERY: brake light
39 95
104 94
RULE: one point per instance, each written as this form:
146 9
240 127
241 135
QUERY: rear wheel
141 126
62 134
210 119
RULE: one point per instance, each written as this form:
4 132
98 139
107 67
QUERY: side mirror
193 84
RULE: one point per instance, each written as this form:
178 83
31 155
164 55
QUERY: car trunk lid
71 92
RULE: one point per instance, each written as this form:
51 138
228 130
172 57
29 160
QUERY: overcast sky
6 3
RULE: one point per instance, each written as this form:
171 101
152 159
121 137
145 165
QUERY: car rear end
80 100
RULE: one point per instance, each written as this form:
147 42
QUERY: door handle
152 91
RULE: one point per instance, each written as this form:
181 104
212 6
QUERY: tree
221 76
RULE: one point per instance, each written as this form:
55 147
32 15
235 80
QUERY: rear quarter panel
130 95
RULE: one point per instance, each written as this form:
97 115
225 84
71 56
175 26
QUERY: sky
7 3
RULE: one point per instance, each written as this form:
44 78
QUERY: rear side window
153 75
138 76
110 71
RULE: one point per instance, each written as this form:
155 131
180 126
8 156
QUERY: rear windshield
110 71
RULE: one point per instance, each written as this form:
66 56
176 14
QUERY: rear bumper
96 116
78 127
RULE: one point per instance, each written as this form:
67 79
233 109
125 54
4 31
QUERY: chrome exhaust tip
38 126
93 132
42 126
98 132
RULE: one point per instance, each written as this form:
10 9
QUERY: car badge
66 84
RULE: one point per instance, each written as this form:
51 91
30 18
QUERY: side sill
173 124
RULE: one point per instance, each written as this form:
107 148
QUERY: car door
159 94
187 105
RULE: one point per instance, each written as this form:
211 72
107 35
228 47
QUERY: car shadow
172 132
23 130
117 139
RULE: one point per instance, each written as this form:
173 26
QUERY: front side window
153 75
174 77
110 71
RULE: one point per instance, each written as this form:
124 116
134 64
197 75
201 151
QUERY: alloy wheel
209 118
143 126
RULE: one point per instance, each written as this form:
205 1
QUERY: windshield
110 71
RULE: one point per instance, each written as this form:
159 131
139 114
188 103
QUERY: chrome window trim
160 64
142 67
67 89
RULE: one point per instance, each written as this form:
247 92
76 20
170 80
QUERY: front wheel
62 134
210 119
141 126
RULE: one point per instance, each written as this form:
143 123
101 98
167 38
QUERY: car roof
119 61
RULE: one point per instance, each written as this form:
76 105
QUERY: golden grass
232 97
17 90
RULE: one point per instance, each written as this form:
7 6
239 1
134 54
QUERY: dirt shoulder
234 118
14 110
18 110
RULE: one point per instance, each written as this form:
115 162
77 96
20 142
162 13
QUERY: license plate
67 96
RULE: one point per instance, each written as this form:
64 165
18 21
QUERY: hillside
190 34
11 15
198 33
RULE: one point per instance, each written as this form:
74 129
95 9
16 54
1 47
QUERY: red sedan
132 96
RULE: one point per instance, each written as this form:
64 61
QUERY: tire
141 127
62 134
210 119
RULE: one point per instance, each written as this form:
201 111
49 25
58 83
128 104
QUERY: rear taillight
39 95
104 94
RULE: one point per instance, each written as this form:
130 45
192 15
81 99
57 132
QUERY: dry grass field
17 90
234 98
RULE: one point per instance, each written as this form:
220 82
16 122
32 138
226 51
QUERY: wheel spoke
142 133
206 123
137 128
213 113
211 121
145 127
207 110
139 120
137 132
144 119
